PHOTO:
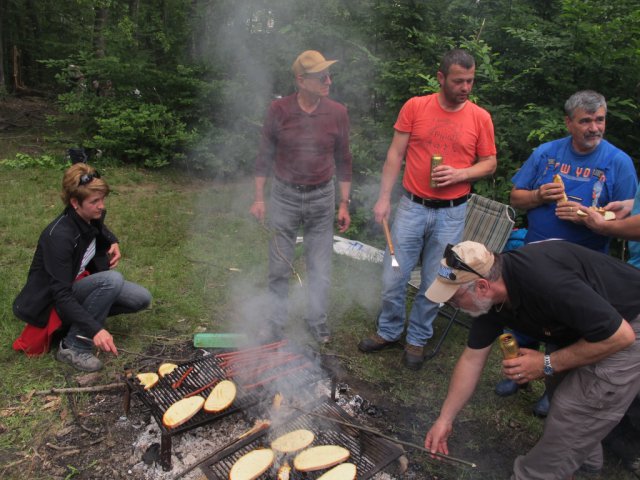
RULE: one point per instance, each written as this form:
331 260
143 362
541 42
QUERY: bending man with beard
583 301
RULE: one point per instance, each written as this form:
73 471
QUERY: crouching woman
72 282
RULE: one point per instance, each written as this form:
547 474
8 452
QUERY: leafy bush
146 134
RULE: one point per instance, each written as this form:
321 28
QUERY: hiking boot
82 360
506 387
374 343
320 333
413 356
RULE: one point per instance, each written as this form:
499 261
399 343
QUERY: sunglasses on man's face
88 177
453 260
321 77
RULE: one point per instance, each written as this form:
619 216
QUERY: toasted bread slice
182 411
148 379
221 397
558 179
344 471
606 214
252 464
317 458
166 368
293 441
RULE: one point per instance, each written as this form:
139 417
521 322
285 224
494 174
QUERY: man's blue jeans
417 232
314 211
105 294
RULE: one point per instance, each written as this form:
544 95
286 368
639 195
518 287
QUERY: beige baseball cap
311 61
455 269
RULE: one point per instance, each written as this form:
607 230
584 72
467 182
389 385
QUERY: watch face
548 370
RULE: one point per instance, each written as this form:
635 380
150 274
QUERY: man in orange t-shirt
428 218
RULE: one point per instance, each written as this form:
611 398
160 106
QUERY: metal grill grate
302 372
369 453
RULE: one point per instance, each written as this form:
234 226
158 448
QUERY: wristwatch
548 369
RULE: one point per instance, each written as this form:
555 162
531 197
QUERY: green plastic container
219 340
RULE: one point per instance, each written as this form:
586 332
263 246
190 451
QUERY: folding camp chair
488 222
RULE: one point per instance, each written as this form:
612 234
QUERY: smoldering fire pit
369 453
259 372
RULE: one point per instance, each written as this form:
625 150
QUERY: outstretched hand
104 341
437 436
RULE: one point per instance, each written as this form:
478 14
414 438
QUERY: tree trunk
3 79
99 24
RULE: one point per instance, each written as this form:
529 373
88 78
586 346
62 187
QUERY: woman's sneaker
82 360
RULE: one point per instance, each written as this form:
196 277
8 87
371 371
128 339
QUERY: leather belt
301 187
436 203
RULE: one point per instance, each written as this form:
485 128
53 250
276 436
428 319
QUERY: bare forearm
525 199
626 229
345 191
463 382
259 188
587 353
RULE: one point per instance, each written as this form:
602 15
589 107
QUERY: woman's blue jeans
105 294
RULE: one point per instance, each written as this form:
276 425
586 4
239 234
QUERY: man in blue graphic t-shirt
594 173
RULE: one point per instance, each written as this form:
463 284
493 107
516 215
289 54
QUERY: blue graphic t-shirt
604 175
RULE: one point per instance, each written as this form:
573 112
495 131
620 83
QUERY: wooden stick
176 385
96 388
201 389
382 435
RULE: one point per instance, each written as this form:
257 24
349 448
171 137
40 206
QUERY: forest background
185 83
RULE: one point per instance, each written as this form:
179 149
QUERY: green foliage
146 134
23 160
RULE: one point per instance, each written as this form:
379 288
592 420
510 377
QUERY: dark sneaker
506 387
320 333
374 343
85 361
413 357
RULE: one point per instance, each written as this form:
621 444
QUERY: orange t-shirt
459 137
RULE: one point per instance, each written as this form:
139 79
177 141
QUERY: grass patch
194 245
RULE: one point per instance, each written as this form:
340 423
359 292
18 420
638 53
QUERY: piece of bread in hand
251 465
318 458
221 397
558 179
182 411
606 214
344 471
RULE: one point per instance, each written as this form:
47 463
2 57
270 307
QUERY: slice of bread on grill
148 380
182 411
293 441
221 397
318 458
166 369
344 471
251 465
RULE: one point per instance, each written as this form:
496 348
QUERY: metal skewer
387 233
